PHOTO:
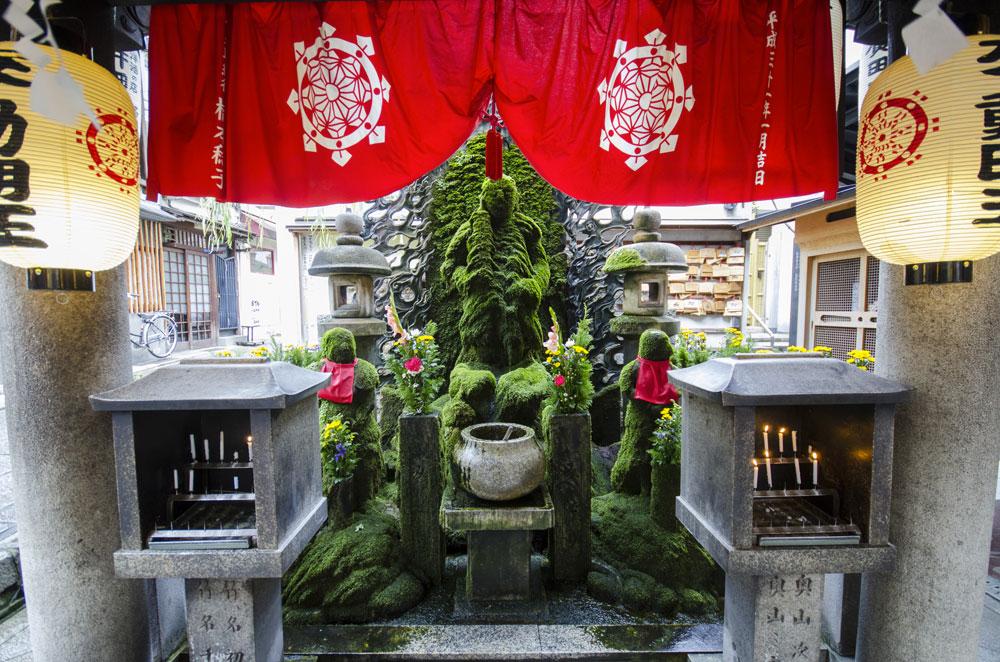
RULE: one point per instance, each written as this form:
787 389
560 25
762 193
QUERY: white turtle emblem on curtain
339 95
644 98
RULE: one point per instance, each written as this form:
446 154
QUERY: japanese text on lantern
218 146
14 173
989 160
765 114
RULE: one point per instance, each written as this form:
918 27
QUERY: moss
631 325
625 537
604 587
631 472
474 385
697 602
351 574
623 259
638 590
456 415
391 410
455 197
338 345
600 474
520 393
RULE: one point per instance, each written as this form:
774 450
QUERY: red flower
413 365
559 380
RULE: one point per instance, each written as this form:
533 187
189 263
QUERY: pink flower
559 380
392 318
552 344
413 365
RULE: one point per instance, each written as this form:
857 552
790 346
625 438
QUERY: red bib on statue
653 385
341 388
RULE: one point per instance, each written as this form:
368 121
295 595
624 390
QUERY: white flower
570 343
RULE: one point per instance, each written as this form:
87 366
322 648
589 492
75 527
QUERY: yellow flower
425 338
763 351
665 413
557 364
701 334
863 367
796 348
580 350
225 353
822 348
686 332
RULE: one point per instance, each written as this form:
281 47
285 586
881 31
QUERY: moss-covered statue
644 385
351 395
498 264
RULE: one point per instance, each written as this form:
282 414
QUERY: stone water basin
498 461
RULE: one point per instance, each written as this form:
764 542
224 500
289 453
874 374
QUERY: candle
756 473
206 450
766 448
767 466
781 441
249 449
236 456
795 442
815 459
193 455
177 484
222 450
236 483
191 481
798 473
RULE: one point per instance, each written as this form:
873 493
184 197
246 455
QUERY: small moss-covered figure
338 347
498 264
631 473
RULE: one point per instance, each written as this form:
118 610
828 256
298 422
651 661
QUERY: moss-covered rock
456 195
520 394
638 590
697 602
604 587
623 259
475 385
600 470
631 473
625 537
351 574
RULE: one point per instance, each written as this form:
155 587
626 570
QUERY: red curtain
612 101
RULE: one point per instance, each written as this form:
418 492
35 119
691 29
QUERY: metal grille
175 287
837 283
199 297
871 295
868 340
225 279
840 339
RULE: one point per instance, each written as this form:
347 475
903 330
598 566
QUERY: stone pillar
569 476
841 601
59 347
942 341
231 620
776 617
665 487
420 488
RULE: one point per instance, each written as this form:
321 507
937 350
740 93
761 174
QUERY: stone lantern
351 268
646 264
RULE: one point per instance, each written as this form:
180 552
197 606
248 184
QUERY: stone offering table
499 581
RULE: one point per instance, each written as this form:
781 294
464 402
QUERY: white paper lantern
928 172
69 195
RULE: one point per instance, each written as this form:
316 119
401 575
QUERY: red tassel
494 154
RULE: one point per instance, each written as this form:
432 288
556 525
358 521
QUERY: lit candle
222 450
177 484
767 466
781 441
206 450
756 473
795 441
250 449
815 459
236 483
810 451
193 454
766 447
191 481
798 473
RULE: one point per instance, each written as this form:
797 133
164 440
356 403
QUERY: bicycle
158 333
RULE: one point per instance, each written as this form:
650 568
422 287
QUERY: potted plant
567 435
414 360
665 461
340 457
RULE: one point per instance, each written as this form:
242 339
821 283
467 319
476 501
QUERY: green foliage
624 259
415 362
666 446
474 385
520 393
455 197
338 452
570 387
302 356
625 537
736 343
689 348
352 574
338 346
